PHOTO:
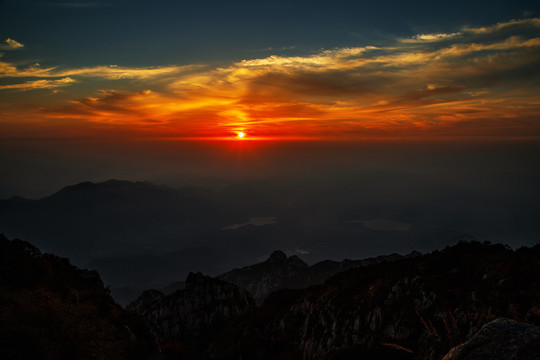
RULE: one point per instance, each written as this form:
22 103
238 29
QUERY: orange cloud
110 72
475 82
11 44
39 84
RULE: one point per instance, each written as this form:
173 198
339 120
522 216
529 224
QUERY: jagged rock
50 309
263 278
501 339
146 299
187 315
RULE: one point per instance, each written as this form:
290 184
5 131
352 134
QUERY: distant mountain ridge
123 227
140 235
116 216
89 221
280 271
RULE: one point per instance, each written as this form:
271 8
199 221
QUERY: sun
240 135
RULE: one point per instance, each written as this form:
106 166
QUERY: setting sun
240 135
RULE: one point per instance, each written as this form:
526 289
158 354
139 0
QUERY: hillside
50 309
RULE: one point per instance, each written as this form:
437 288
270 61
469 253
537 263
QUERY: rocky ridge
189 315
280 271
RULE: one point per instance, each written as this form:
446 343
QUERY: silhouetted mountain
319 272
131 223
53 310
139 235
90 220
280 272
415 307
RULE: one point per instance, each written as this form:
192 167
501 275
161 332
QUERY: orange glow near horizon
428 86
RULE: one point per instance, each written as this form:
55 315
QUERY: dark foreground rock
501 339
49 309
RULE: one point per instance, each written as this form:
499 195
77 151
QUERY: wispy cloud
111 72
516 24
431 37
39 84
10 44
478 81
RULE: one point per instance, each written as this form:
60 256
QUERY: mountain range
464 302
139 235
408 307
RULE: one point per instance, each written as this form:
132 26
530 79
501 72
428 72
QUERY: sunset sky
75 75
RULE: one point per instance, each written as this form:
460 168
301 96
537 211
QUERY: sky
91 90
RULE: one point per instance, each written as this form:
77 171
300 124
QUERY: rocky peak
277 256
194 279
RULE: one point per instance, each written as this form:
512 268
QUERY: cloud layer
481 81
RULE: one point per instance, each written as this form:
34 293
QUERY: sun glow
240 135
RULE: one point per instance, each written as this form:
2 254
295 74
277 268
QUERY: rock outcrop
501 339
146 299
189 315
49 309
263 278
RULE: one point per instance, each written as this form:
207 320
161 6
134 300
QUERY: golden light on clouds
39 84
474 82
11 44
